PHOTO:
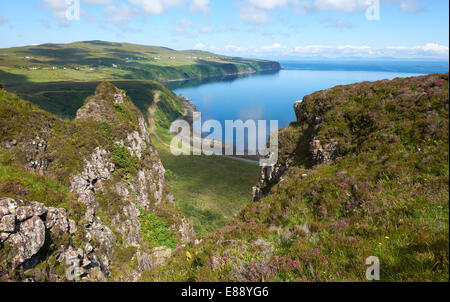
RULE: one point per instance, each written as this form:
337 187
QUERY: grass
156 232
98 60
209 190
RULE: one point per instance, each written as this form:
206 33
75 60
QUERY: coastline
188 116
249 72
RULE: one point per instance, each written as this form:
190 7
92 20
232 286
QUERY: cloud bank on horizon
257 28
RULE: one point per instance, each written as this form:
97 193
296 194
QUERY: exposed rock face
298 110
28 240
97 169
23 227
269 176
157 257
186 231
35 155
323 154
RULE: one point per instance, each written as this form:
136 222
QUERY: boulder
28 240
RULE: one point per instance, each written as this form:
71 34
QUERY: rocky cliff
84 199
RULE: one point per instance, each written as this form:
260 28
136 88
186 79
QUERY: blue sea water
270 96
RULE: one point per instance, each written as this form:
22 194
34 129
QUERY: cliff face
85 198
362 172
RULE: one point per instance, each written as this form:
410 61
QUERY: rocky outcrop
96 170
157 257
109 190
325 153
35 155
320 153
23 227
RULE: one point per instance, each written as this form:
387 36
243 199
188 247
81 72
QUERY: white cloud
337 23
430 50
126 9
119 15
200 46
156 7
59 10
346 6
95 2
254 15
200 5
270 4
258 11
411 6
182 27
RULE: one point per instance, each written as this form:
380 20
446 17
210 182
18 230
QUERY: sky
273 29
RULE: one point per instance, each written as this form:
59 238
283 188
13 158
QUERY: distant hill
99 60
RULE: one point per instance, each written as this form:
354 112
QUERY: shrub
156 232
123 159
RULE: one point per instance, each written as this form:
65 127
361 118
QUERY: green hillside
98 60
363 172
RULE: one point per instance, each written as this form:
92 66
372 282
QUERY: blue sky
254 28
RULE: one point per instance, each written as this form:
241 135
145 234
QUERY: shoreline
188 116
220 75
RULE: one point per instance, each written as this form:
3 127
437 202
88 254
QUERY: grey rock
72 227
57 220
104 236
4 236
323 153
38 208
145 261
97 169
186 231
24 212
298 110
7 205
160 255
28 240
88 248
8 224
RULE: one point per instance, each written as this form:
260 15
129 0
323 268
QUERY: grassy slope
93 61
386 195
209 190
201 191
